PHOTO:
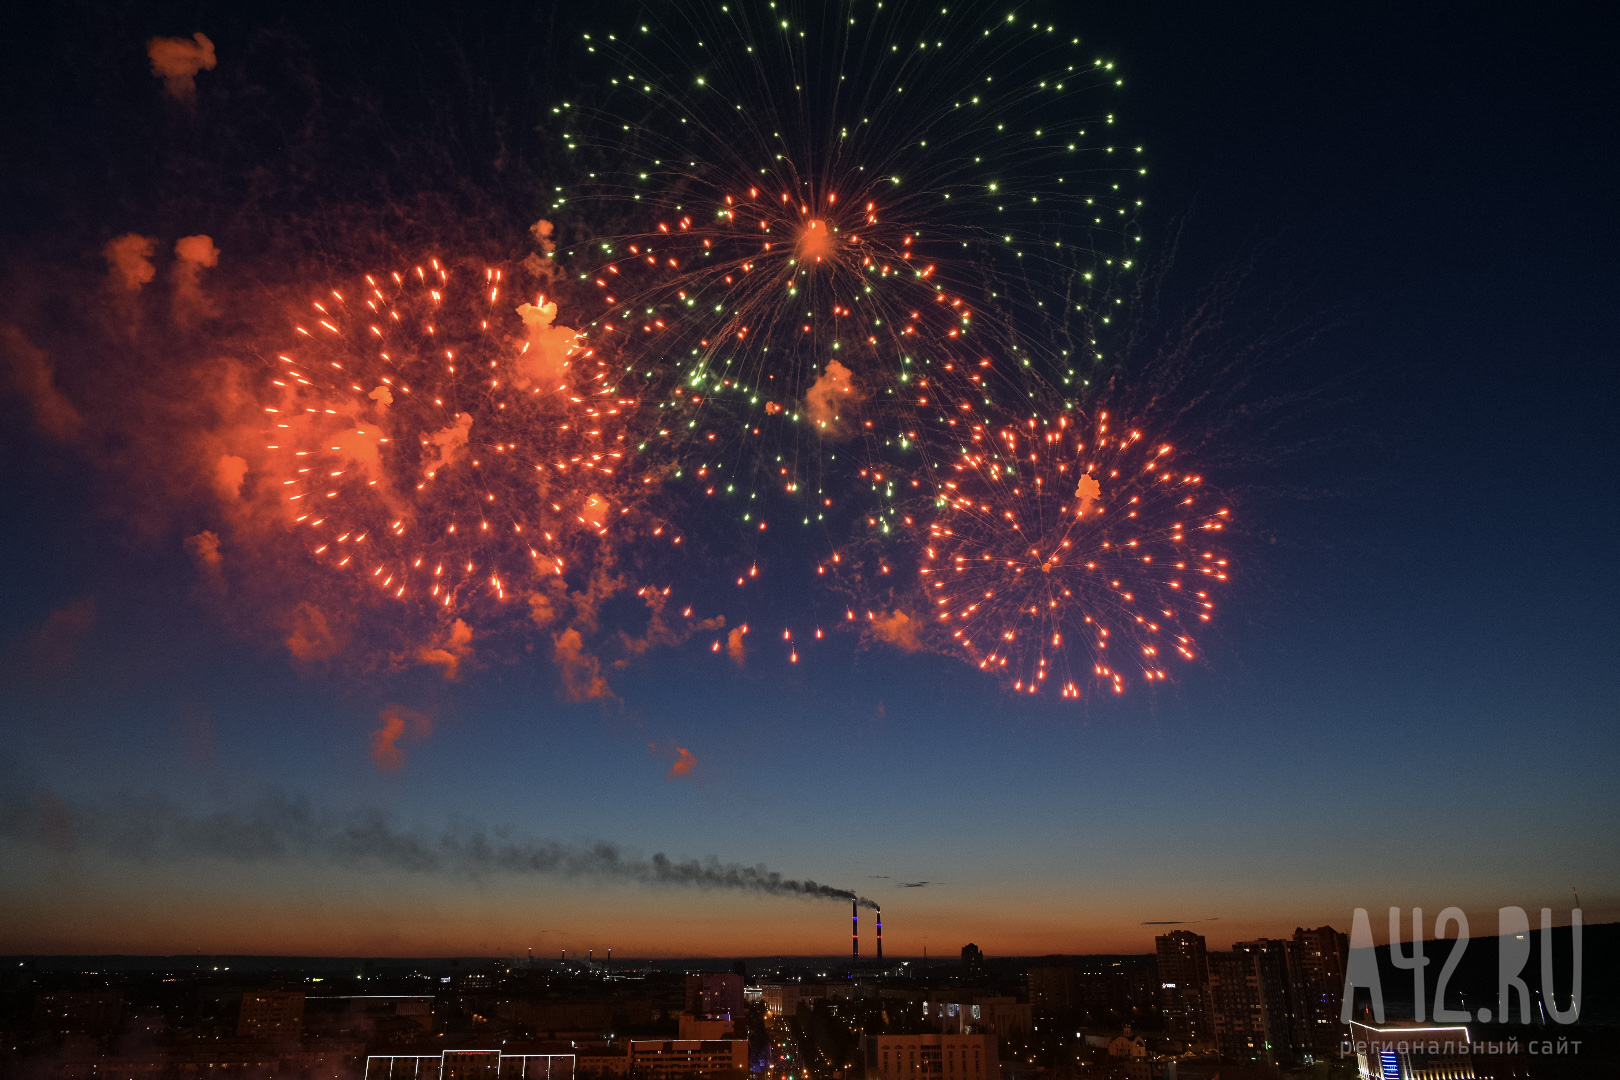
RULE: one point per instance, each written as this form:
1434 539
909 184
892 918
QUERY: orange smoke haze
398 723
815 241
178 60
734 645
448 652
544 361
193 255
204 547
685 762
53 648
831 393
581 672
310 635
34 379
898 629
129 261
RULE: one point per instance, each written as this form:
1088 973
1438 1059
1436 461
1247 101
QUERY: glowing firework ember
1051 538
820 201
445 443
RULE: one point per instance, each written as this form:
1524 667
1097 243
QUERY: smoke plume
35 381
177 61
282 831
833 391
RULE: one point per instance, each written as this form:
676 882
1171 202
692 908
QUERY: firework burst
1054 552
819 201
439 441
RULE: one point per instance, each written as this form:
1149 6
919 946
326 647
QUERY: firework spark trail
1052 537
283 831
823 201
426 443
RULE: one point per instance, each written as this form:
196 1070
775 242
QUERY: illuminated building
707 1027
271 1014
677 1059
1052 987
1412 1052
982 1016
1323 953
782 999
79 1012
1183 976
931 1057
470 1065
1255 1001
715 995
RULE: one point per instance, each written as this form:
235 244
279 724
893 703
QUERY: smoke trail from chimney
284 831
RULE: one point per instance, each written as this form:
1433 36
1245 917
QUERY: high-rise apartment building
972 962
1052 987
1237 1016
1323 953
1183 982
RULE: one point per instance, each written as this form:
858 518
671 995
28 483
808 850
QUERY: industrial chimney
855 928
880 935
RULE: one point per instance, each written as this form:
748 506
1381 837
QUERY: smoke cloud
54 645
282 831
735 647
177 61
544 363
129 261
832 392
1088 491
684 764
398 723
193 255
898 629
581 672
447 651
35 380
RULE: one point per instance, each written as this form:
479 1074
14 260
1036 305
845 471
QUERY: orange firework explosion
445 444
1050 536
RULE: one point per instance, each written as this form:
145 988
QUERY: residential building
682 1059
1183 978
782 999
1001 1016
79 1012
1323 953
931 1057
715 995
470 1065
972 963
706 1027
271 1014
1053 988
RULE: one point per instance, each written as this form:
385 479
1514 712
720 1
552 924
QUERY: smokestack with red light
880 935
855 928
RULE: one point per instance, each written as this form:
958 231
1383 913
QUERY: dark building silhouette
972 963
713 995
1183 983
1323 953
